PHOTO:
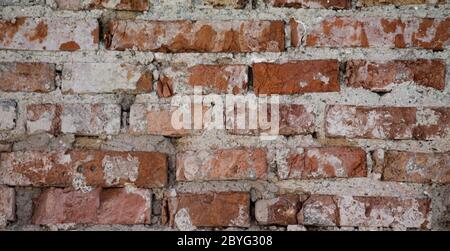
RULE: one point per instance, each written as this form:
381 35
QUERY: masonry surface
86 140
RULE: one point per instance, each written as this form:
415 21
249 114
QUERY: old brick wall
85 135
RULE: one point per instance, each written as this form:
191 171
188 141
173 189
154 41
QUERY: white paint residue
117 168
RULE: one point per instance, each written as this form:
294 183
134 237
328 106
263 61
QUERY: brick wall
86 100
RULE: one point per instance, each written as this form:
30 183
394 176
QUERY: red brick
132 5
226 164
112 206
326 162
27 77
296 77
77 118
231 79
345 211
432 123
106 78
236 4
125 206
55 34
196 36
370 122
294 119
157 120
385 212
320 210
397 2
330 4
83 168
7 205
282 210
415 167
226 209
382 76
428 33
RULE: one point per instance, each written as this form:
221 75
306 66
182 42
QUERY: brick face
229 164
296 77
111 206
344 211
61 34
209 210
80 119
27 77
200 36
84 168
380 76
370 122
415 167
319 163
427 33
106 78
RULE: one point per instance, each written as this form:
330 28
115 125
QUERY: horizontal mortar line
105 56
201 13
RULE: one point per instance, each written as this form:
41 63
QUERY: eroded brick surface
27 77
82 169
187 211
109 206
345 211
428 33
55 34
200 36
319 163
383 76
229 164
415 167
106 78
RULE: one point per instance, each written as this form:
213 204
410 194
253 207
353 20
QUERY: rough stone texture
82 169
200 36
7 205
8 114
427 33
415 167
380 76
27 77
230 164
106 78
57 34
319 163
397 2
187 211
331 4
296 77
236 4
110 206
134 5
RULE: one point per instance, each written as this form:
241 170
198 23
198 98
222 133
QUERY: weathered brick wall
86 140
